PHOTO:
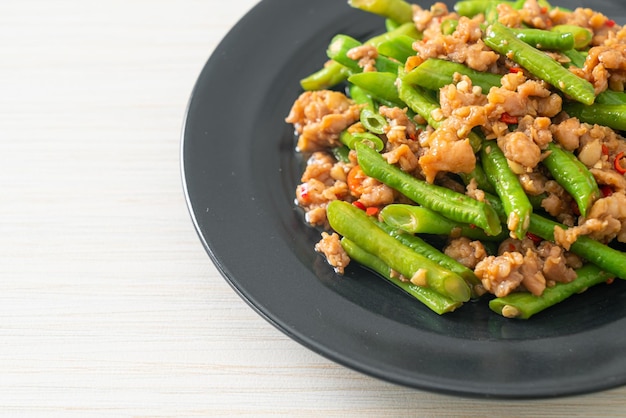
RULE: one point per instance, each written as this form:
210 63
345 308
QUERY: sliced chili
359 205
508 119
372 211
616 163
534 238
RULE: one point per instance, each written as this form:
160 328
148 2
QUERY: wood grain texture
109 305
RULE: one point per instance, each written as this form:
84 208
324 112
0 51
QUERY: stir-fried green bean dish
471 152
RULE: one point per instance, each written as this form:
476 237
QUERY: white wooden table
109 305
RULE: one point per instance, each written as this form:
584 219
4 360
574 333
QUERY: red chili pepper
515 70
605 149
372 211
610 23
617 165
508 119
544 10
359 205
304 192
606 191
534 238
610 281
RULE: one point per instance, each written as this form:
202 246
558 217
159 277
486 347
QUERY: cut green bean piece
453 205
471 8
418 100
611 115
421 220
523 305
435 73
582 36
611 97
328 76
418 244
352 223
507 185
502 40
431 299
381 86
342 153
399 48
576 58
448 26
339 51
370 118
543 39
397 10
334 73
405 29
573 176
391 24
351 139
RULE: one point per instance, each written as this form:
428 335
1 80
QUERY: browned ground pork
320 116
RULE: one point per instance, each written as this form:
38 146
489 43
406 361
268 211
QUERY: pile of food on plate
471 152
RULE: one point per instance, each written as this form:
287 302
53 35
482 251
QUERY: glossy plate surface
240 173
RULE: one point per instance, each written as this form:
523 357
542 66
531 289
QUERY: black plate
240 173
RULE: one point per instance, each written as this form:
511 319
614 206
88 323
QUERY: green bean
502 40
573 176
326 77
576 58
448 26
351 139
523 305
507 185
370 118
431 299
341 153
396 10
611 115
544 39
611 97
418 100
421 220
399 48
341 45
453 205
353 224
435 73
404 29
417 244
491 13
334 73
380 85
471 8
582 36
391 24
